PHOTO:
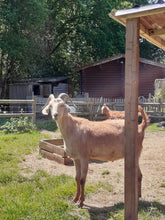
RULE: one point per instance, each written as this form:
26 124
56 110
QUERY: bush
18 125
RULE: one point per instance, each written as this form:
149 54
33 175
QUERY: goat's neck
64 125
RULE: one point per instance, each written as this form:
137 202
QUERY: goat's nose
55 116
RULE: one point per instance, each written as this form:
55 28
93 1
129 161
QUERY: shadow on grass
117 210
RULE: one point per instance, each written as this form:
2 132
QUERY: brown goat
111 114
84 140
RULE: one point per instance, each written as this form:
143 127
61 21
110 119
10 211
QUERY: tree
40 38
17 20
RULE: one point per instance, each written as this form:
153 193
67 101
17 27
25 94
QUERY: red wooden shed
106 77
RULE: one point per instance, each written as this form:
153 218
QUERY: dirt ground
152 163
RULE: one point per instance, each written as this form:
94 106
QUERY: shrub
18 125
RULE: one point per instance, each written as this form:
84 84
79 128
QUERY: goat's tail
145 119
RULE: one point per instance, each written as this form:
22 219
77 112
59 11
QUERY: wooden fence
86 107
17 108
91 107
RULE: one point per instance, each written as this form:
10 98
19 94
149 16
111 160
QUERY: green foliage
19 20
3 121
18 125
41 38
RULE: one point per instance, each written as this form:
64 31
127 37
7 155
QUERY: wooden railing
8 106
91 107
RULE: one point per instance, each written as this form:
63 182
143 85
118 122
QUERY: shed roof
152 21
40 80
109 59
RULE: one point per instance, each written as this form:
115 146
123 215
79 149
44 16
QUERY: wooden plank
10 115
131 120
56 157
52 148
56 141
51 156
153 32
158 41
14 101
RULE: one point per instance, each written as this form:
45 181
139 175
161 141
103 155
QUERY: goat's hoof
80 205
75 200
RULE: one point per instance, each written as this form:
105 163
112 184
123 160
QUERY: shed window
36 89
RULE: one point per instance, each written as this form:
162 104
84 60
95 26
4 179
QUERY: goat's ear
45 109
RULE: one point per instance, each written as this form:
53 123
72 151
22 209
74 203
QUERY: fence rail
91 107
86 107
8 108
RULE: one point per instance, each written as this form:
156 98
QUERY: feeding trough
53 149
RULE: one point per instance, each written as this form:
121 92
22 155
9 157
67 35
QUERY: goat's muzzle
55 116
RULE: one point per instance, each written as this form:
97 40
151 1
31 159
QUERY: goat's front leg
84 170
77 178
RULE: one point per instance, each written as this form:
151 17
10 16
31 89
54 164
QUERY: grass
49 125
44 196
153 128
105 172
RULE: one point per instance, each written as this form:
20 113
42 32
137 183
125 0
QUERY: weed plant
18 125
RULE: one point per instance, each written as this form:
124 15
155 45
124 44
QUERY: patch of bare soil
152 163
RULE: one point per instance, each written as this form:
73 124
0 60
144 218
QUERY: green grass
153 128
44 196
105 172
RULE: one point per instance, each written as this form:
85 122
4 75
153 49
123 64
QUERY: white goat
84 140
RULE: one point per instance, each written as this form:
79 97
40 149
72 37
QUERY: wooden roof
152 21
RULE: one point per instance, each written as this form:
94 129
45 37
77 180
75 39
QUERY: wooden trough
53 149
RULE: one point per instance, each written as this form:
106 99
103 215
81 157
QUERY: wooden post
34 109
131 120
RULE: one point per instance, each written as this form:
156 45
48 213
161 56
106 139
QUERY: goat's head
104 109
57 106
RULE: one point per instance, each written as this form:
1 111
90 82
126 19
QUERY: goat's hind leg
140 176
139 182
84 170
77 178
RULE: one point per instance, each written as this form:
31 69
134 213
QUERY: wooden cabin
106 77
42 87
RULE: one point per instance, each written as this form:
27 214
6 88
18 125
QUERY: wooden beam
156 40
121 16
131 120
154 32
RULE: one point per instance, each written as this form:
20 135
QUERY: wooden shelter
106 78
42 87
147 22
